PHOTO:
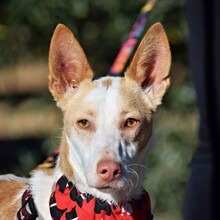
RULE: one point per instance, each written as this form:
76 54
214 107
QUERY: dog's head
107 122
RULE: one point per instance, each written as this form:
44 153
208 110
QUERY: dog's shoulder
11 190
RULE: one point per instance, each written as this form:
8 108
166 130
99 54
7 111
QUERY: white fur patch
41 187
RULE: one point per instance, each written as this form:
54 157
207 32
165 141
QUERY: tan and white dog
107 124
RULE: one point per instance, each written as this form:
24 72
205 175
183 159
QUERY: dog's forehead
115 92
112 96
105 88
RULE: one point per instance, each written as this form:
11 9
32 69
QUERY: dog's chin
116 191
109 188
106 189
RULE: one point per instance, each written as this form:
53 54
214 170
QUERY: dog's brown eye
83 123
130 122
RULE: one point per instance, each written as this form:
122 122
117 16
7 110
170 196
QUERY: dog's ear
151 64
68 65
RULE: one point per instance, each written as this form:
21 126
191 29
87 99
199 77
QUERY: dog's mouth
114 185
107 189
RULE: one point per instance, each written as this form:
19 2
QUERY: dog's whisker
137 164
129 184
136 176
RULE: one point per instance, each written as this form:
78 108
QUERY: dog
107 127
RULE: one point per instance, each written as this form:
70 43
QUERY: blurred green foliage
26 27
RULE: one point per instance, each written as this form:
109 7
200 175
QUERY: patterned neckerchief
66 202
28 210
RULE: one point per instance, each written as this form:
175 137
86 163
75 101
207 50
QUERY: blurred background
30 123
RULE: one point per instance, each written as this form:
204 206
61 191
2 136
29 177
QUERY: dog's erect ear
68 65
151 64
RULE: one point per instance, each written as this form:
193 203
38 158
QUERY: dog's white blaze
106 137
106 99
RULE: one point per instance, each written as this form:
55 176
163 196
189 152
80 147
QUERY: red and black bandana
66 203
27 210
